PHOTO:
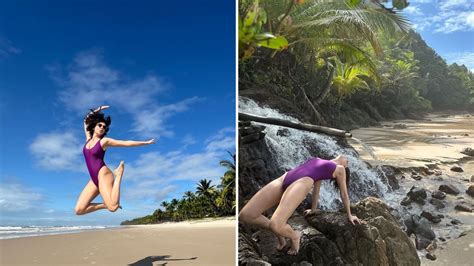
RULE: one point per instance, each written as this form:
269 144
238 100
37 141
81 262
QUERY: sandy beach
458 252
202 242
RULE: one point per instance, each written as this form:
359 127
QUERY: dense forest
207 201
344 63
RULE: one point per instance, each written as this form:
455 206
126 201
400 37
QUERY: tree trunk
301 126
327 89
318 116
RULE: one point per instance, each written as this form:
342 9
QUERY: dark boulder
438 195
417 194
457 169
439 204
463 207
449 189
468 151
470 191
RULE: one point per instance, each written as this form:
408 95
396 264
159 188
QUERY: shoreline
201 243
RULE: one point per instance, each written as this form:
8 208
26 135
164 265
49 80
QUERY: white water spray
292 150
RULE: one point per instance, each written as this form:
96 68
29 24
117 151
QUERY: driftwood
302 126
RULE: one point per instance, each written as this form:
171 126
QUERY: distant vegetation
207 201
345 63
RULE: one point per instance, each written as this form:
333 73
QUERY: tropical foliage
349 63
207 201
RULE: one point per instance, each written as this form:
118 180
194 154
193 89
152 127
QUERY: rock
468 151
438 195
439 204
406 201
421 242
399 126
430 256
429 172
456 221
416 177
438 173
448 188
304 263
457 169
463 208
419 226
463 234
432 218
442 239
472 178
285 132
417 194
379 242
470 191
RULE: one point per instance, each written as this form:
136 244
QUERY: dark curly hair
348 179
93 118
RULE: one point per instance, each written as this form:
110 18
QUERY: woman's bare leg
263 200
88 194
291 198
110 188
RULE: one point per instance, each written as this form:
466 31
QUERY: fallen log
301 126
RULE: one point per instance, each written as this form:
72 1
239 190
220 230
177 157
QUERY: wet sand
437 139
185 243
459 252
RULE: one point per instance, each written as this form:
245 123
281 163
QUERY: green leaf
264 36
353 3
276 43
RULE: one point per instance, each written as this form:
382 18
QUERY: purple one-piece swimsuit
94 160
316 168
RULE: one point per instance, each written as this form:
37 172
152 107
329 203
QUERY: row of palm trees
208 200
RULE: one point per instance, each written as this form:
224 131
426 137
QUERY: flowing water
291 150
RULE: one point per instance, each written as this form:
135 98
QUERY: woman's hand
354 220
151 141
102 107
310 211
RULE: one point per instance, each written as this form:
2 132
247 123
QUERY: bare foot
118 172
281 243
295 244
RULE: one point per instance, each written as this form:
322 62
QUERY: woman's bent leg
263 200
293 196
88 194
110 188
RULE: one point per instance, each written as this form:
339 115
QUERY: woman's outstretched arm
108 142
341 181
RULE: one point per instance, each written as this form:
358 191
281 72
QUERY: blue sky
166 68
447 26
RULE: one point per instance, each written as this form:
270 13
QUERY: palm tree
205 188
226 198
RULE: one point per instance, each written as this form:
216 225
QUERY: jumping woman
102 180
289 190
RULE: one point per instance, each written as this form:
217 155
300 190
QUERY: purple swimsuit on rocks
316 168
94 160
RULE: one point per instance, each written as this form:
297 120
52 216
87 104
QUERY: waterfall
294 147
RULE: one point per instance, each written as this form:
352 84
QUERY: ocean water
7 232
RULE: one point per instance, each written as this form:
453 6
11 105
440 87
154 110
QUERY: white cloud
414 10
448 16
449 4
7 48
57 151
153 173
90 82
17 198
461 58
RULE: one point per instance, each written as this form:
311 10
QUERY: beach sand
208 242
459 251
